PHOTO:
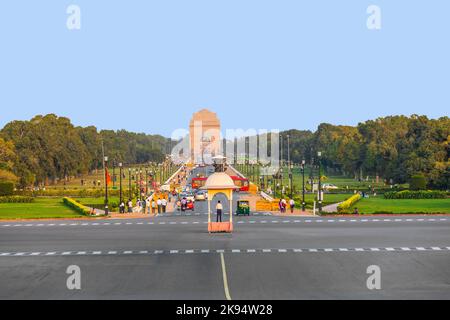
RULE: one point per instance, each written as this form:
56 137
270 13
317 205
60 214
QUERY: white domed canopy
219 180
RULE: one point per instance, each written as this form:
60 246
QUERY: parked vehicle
329 186
243 207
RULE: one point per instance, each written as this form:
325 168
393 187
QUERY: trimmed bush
417 182
76 206
16 199
80 193
112 205
6 188
345 205
422 194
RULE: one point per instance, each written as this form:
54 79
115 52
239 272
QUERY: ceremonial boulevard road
267 257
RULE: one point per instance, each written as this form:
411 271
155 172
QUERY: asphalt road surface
267 257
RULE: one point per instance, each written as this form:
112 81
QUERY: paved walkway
331 207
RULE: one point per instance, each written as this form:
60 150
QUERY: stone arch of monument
204 136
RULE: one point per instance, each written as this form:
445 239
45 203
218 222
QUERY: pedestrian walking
153 206
130 206
219 209
163 204
122 207
147 206
292 205
139 205
159 203
283 205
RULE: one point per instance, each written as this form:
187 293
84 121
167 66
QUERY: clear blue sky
257 63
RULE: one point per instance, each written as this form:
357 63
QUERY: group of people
147 206
282 204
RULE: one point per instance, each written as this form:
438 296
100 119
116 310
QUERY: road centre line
184 222
224 251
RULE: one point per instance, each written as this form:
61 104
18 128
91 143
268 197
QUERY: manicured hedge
417 182
60 192
345 205
6 188
421 194
112 205
16 199
77 206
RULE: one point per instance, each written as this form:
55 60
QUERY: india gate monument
204 136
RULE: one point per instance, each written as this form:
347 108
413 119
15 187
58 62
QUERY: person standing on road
292 205
143 206
153 206
183 204
138 205
130 206
163 204
147 206
219 209
159 203
283 205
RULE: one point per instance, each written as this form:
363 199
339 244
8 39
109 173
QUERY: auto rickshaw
243 207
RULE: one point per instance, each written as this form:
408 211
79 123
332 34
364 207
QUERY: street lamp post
146 181
120 183
106 185
281 177
319 154
129 182
303 185
290 168
136 178
140 183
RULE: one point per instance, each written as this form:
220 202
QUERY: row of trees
49 147
394 147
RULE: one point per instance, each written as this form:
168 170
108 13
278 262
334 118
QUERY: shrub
76 206
417 182
95 193
16 199
345 205
6 188
421 194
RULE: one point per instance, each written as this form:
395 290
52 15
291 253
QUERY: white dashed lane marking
184 222
226 251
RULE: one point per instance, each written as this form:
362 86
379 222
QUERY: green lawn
98 200
381 205
39 209
339 181
328 198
